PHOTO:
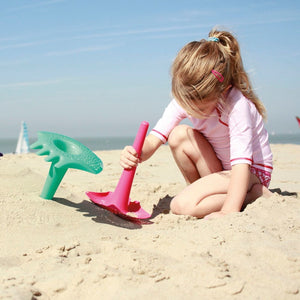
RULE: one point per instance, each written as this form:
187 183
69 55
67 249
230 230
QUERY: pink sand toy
118 202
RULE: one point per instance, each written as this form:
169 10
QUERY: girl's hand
129 159
215 215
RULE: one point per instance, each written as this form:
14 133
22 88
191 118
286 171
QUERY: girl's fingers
129 159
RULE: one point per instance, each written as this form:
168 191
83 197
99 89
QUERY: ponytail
204 69
235 72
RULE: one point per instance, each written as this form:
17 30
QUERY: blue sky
98 68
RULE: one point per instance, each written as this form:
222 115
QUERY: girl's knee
174 207
178 207
178 135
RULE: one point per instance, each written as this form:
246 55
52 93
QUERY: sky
93 68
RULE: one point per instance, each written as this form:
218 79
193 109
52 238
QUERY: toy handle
123 188
140 137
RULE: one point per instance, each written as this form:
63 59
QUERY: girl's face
203 109
206 108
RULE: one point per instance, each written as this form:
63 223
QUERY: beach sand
69 248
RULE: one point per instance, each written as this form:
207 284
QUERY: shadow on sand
284 193
101 215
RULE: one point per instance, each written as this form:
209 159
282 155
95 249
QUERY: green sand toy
63 153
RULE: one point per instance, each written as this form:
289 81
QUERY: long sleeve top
235 130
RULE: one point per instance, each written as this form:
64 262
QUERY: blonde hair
192 76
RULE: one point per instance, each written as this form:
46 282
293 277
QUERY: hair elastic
213 39
218 75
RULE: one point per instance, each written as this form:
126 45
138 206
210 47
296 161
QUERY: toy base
107 201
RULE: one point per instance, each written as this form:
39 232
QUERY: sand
69 248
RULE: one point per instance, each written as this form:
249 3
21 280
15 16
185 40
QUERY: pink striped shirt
236 132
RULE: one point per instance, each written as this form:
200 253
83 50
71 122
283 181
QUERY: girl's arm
171 117
238 187
151 144
237 191
129 157
241 123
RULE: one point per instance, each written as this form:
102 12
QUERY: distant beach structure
23 141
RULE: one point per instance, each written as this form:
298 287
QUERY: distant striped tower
23 141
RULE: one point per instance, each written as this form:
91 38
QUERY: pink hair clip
218 75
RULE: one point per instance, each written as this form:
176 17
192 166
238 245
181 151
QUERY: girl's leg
257 190
202 170
193 154
206 195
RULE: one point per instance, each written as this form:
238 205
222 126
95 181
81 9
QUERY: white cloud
80 50
23 45
130 32
140 31
13 63
33 83
36 4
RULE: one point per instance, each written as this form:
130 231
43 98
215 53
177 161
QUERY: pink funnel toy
118 202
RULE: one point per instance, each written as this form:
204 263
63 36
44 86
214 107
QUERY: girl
225 158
